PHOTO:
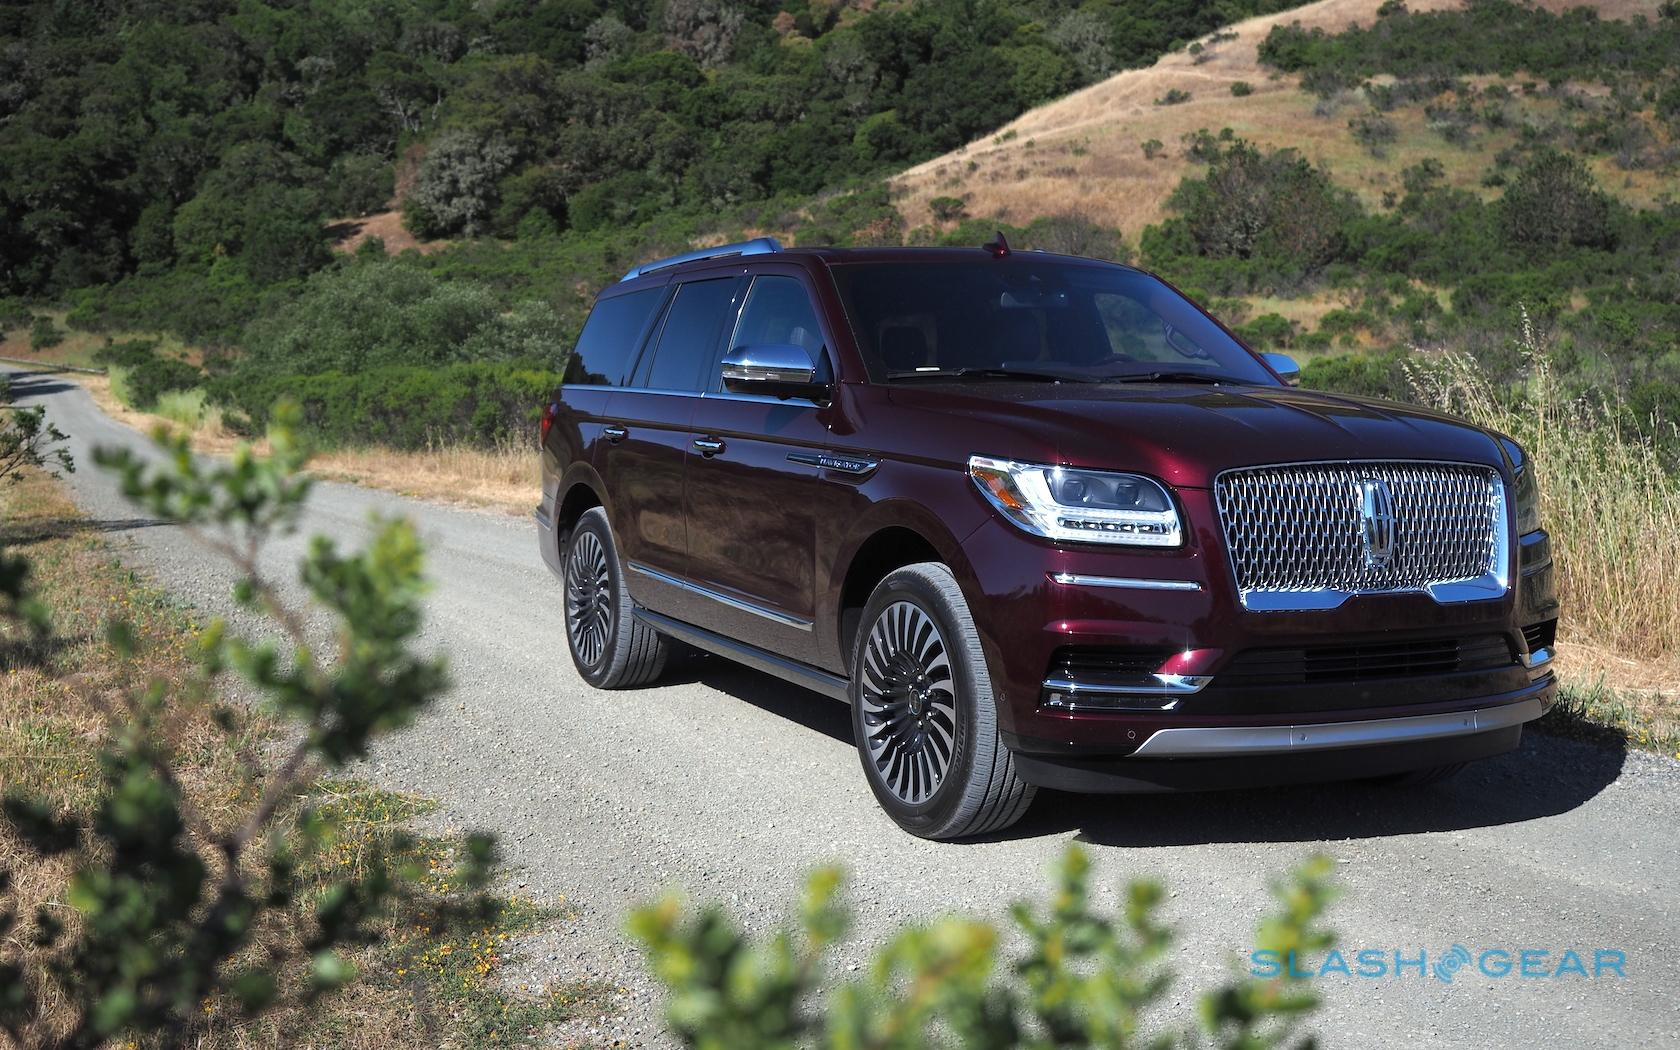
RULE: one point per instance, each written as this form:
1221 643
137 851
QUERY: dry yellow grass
1083 153
506 479
1613 509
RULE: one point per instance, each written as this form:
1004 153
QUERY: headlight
1526 499
1079 506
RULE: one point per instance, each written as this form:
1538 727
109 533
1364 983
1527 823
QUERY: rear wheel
923 714
610 647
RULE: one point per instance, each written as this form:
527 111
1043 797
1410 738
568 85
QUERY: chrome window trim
797 623
1075 579
1216 741
1494 584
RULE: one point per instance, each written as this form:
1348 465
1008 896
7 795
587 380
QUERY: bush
389 312
1173 97
1153 148
400 407
1381 375
1273 206
44 334
1554 201
1076 235
1241 88
947 209
1071 976
144 383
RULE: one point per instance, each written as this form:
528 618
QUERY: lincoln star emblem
1376 520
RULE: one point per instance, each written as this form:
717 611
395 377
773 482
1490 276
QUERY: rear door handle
615 433
708 446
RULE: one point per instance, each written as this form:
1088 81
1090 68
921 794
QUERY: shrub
1554 201
1070 976
390 312
401 407
1173 97
44 334
1269 332
1373 131
1378 375
947 209
145 382
1153 148
177 908
1076 235
1241 88
1274 206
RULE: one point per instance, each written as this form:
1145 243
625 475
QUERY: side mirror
777 369
1285 367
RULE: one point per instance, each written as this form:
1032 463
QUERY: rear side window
688 341
610 338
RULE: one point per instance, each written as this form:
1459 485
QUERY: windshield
1034 319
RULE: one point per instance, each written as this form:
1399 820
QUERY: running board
813 678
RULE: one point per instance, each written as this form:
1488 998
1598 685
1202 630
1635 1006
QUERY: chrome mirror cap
1285 367
783 364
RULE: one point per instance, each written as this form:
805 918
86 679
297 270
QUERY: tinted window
611 337
1084 322
688 340
779 311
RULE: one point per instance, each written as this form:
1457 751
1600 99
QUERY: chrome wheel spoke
589 609
908 702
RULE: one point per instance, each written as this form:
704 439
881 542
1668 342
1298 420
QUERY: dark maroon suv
1043 522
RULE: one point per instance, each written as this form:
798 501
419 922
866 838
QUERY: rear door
754 488
648 440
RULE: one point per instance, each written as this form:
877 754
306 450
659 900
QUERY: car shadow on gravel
60 528
1546 776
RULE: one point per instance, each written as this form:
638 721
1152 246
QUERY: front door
755 490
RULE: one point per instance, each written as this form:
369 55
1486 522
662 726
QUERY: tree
459 185
1272 205
1554 201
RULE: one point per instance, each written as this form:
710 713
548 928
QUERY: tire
923 713
1421 777
610 647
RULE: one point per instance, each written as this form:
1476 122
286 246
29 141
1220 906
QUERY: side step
813 678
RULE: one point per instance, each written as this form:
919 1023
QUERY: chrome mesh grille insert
1300 532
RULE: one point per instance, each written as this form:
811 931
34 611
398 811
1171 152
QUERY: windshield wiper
1212 379
993 373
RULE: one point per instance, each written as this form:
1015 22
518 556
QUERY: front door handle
615 433
708 446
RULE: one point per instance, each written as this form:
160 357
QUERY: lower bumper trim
1217 741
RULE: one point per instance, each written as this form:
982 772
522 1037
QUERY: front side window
984 318
683 357
778 310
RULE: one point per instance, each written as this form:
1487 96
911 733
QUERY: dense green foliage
400 406
171 912
1073 976
211 139
1484 36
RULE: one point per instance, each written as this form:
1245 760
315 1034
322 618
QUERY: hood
1186 434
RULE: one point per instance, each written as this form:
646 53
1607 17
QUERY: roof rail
757 246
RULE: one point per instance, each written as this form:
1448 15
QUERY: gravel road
732 785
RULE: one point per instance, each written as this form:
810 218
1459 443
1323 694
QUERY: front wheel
610 647
923 714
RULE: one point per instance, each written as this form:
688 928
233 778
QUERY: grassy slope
1083 153
49 740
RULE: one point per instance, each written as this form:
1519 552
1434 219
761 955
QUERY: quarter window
610 338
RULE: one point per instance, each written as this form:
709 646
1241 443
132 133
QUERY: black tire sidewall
595 521
973 685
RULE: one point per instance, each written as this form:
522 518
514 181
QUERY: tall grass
1610 503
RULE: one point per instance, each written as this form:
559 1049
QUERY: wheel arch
891 536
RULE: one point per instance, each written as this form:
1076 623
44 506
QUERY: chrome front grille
1310 535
